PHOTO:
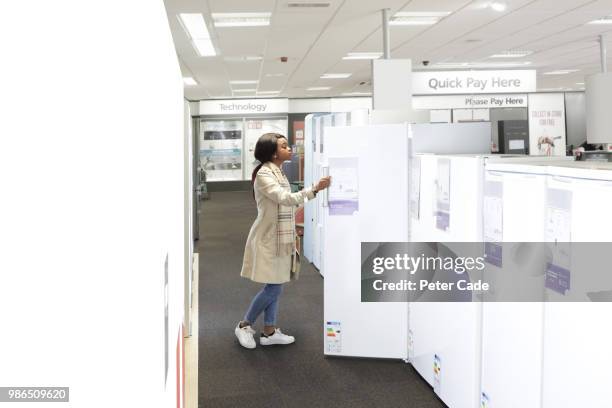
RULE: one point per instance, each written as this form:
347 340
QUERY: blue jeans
265 301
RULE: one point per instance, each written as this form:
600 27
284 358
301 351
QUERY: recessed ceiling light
244 82
467 65
561 72
195 27
189 81
244 58
318 88
244 90
498 6
417 18
512 54
204 47
605 20
335 76
280 74
241 19
267 92
362 55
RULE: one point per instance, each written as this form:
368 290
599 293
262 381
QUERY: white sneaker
245 336
277 338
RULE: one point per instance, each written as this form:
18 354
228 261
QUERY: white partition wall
98 305
360 156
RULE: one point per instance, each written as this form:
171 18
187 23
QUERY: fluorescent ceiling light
512 54
467 65
561 72
267 92
241 19
417 18
605 20
189 81
579 83
362 55
195 27
244 58
498 6
335 76
318 88
244 90
204 47
280 74
244 82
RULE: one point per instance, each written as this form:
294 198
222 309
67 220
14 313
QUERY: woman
271 241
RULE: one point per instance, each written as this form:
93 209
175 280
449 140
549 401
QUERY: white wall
92 200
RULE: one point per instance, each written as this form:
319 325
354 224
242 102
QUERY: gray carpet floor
297 375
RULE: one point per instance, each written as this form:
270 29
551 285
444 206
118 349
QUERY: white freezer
512 332
315 127
577 355
449 334
353 328
309 161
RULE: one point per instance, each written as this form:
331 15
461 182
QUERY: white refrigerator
444 336
447 207
512 332
577 351
366 202
310 159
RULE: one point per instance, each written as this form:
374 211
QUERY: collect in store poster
547 124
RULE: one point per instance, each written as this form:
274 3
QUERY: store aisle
279 376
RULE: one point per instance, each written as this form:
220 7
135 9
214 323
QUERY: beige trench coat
260 262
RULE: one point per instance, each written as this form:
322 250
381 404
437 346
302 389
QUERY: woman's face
283 151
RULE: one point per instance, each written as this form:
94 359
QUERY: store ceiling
316 38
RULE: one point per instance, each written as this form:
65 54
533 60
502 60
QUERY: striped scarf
285 229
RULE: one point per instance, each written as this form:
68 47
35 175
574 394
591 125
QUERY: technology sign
243 106
473 82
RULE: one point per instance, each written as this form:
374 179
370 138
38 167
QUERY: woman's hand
323 183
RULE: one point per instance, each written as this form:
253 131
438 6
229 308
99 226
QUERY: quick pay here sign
473 82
